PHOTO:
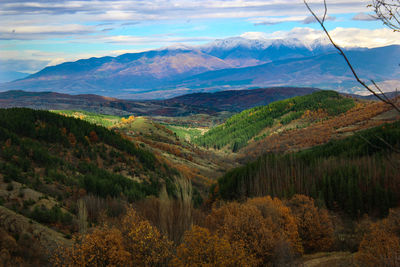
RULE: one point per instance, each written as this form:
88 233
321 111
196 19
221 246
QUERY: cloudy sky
35 34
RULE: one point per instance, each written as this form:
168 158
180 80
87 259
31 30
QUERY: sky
36 34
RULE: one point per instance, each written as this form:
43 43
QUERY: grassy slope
99 119
170 143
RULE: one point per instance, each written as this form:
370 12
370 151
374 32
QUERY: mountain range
233 63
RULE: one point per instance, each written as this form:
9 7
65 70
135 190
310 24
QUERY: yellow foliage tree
381 246
264 226
144 242
314 225
279 218
136 244
201 248
102 247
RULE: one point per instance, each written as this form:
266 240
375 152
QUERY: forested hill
357 175
240 128
62 158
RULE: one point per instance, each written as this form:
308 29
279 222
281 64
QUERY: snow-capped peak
234 42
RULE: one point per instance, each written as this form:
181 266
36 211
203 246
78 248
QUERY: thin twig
325 12
341 52
379 89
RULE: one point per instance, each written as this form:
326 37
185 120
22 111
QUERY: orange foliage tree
263 225
144 242
103 247
381 246
279 218
93 137
314 225
201 248
137 243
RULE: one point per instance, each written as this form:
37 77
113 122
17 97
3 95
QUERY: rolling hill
200 103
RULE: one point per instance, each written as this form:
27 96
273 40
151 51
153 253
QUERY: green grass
99 119
185 133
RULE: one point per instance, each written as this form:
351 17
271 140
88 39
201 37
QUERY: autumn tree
135 243
314 225
245 223
93 137
102 247
144 242
280 219
201 248
241 223
381 246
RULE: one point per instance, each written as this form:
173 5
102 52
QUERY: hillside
240 128
49 161
169 143
355 175
239 100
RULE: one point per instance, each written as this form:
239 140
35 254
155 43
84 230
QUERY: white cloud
345 37
21 32
364 17
155 39
365 37
311 19
171 9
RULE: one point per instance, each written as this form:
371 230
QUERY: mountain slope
242 52
328 70
122 74
170 72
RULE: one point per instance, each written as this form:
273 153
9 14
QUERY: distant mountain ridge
233 63
198 103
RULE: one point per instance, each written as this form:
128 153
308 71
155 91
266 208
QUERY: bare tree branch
341 52
388 11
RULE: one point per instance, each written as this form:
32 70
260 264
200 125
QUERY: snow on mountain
234 42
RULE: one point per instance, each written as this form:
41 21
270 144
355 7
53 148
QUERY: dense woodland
242 127
356 175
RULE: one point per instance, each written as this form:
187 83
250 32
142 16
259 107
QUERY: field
186 133
99 119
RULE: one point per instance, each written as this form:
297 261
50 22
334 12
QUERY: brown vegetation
321 131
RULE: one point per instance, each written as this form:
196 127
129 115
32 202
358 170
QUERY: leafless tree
388 11
375 89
